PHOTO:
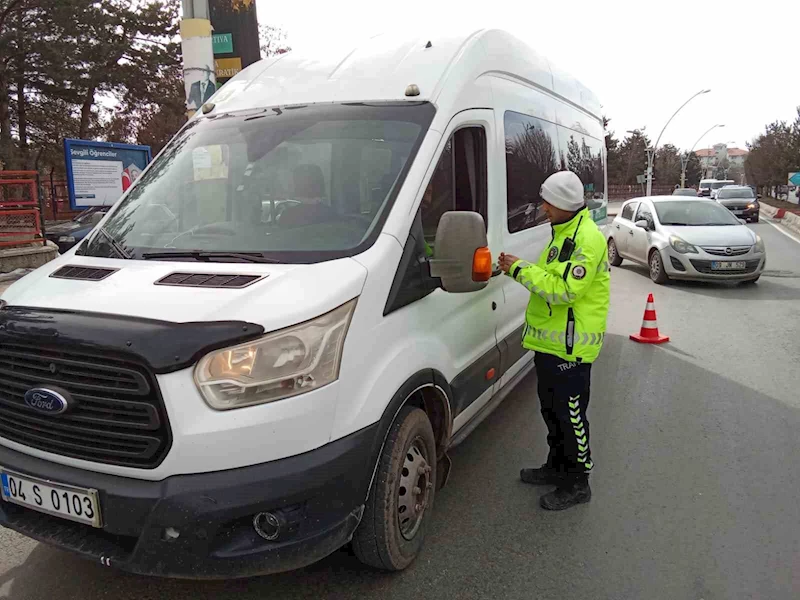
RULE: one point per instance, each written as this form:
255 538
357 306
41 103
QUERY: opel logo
48 401
728 251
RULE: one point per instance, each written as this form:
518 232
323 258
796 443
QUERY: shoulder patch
578 272
551 256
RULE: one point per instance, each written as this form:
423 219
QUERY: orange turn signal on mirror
482 265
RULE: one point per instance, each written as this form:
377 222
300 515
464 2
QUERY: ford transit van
265 349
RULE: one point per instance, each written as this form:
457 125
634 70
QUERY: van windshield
299 184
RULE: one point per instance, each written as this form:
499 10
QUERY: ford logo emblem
48 401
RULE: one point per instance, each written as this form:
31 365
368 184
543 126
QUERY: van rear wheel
399 505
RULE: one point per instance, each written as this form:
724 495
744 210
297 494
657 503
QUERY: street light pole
652 153
684 163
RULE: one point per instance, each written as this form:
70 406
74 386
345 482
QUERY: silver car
685 238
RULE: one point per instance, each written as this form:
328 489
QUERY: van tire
380 541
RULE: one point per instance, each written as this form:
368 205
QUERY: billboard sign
236 46
222 43
98 173
227 67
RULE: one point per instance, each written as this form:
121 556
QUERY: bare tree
272 41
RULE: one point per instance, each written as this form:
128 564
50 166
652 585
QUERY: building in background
721 162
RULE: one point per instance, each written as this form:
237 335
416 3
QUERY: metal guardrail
20 227
20 218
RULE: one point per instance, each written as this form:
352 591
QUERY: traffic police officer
565 326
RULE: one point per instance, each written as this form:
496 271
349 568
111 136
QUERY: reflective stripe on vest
584 339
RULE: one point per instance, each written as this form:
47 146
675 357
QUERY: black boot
544 475
569 493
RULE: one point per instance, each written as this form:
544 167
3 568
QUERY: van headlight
278 365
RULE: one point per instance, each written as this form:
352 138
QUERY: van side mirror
97 217
460 246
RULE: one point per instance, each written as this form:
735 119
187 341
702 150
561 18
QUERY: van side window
530 159
627 211
583 155
459 181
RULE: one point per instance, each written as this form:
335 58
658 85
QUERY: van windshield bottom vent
84 273
208 280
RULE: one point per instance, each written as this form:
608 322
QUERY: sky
642 59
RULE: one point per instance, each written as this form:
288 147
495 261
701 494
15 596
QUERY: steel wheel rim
612 250
413 490
655 265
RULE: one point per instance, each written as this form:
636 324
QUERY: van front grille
118 417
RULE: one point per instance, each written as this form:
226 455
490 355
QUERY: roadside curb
789 220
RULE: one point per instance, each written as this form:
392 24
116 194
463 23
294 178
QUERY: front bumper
747 214
698 266
319 495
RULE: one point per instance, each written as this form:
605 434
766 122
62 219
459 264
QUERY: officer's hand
505 261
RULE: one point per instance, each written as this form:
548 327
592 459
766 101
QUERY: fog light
268 525
676 264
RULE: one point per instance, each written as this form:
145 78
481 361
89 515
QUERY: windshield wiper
115 245
204 256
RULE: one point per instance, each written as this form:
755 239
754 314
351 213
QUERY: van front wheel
399 505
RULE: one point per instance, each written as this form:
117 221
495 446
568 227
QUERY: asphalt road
695 489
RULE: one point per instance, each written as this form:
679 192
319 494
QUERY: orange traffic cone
649 332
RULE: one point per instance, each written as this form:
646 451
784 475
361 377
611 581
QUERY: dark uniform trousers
564 395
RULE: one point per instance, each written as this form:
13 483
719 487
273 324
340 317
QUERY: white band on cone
649 325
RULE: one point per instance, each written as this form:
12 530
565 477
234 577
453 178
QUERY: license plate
717 265
65 501
738 212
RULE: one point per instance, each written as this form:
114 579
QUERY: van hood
286 294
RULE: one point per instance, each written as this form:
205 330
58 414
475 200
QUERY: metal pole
685 164
655 147
195 9
198 54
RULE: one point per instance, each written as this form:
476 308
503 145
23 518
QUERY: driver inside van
309 189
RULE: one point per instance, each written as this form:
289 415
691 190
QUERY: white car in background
716 186
685 238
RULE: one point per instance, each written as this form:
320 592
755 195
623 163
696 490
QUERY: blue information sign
98 173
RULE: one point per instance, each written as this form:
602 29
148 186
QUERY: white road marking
784 232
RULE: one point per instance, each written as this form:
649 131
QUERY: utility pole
199 76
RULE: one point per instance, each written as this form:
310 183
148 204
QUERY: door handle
617 226
630 232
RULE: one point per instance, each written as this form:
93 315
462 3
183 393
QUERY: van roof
381 68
